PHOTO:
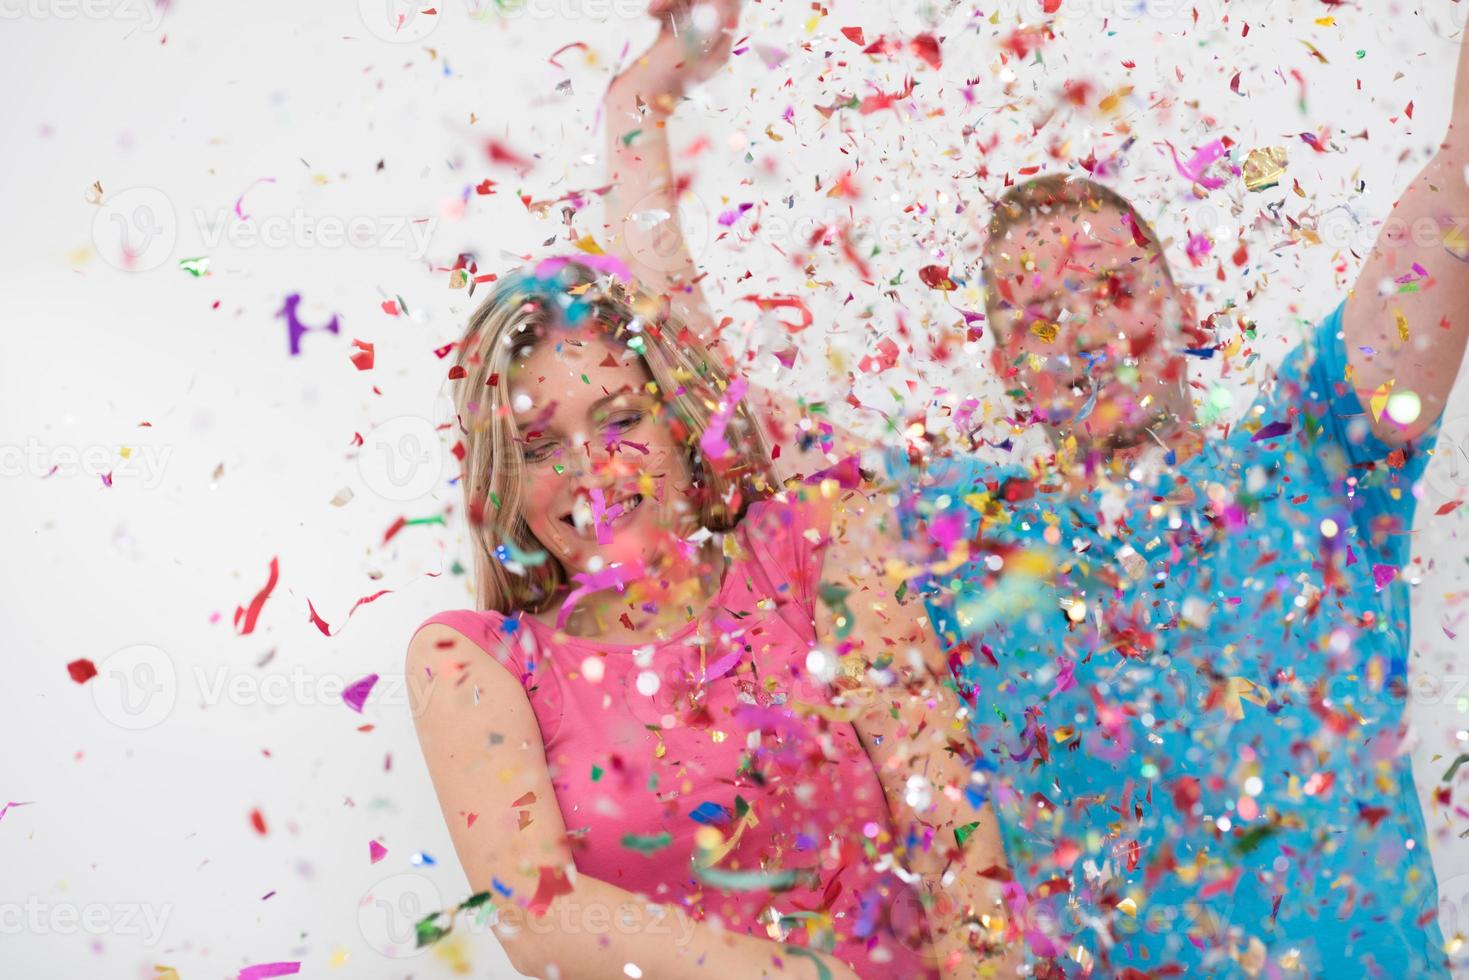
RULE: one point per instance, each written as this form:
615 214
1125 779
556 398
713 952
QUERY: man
1186 656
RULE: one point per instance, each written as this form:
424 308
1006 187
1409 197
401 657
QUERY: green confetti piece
627 138
195 267
647 843
961 834
749 881
1253 838
1448 776
823 972
597 773
495 499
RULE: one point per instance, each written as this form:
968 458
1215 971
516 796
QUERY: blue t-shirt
1194 707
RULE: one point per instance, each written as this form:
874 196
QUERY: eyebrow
521 427
1096 278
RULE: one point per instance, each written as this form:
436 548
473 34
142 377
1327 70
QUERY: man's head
1089 325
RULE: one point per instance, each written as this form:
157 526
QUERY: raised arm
1410 307
484 751
643 226
912 727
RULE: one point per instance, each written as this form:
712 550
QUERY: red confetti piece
322 625
257 820
245 618
363 356
1448 508
784 302
81 671
553 882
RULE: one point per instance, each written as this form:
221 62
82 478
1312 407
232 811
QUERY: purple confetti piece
1272 431
295 329
357 693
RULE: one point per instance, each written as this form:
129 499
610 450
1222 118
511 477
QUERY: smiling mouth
580 516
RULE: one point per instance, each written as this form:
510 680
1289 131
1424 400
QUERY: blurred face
604 477
1093 330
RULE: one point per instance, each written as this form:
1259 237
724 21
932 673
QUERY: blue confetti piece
710 813
501 887
422 860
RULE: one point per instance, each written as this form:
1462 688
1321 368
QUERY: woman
660 742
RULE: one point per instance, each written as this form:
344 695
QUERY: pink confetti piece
239 201
262 971
614 577
1201 160
376 851
1382 575
356 694
712 442
602 263
6 808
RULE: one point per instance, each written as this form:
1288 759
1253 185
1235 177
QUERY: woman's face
606 482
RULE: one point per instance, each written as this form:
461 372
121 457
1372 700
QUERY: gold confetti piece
1264 168
94 193
1378 400
1044 330
1402 322
165 973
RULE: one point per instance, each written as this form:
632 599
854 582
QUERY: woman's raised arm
644 229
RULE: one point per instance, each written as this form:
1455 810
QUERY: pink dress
643 754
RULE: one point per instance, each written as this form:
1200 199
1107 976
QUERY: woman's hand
694 41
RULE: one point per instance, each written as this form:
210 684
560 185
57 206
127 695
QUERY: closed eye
540 451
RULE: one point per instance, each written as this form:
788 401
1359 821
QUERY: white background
141 783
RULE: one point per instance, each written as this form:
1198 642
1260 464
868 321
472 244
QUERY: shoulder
453 635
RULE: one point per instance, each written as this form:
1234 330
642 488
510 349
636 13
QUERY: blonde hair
519 314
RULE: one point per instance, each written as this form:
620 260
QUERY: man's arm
919 743
1410 306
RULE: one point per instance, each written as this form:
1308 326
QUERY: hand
694 42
